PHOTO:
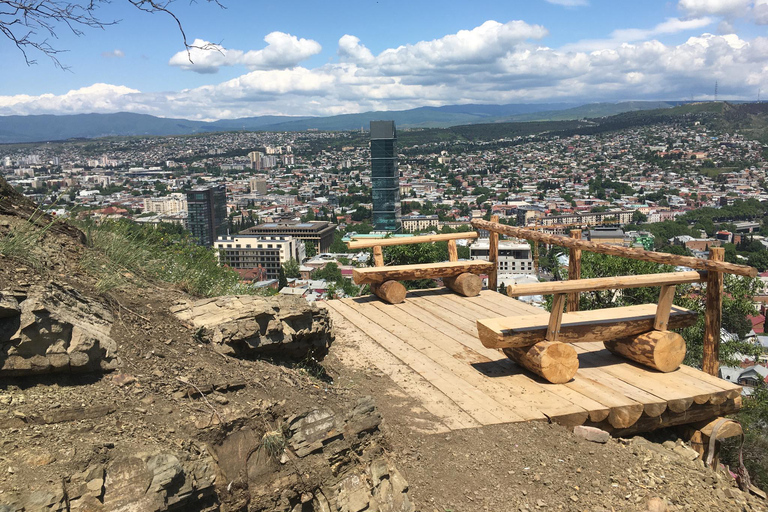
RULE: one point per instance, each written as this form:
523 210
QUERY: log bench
640 333
463 277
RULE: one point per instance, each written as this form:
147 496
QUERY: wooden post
664 307
555 318
493 256
574 270
453 251
378 256
713 315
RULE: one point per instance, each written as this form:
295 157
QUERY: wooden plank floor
432 338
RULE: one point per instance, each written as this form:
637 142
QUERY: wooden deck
432 339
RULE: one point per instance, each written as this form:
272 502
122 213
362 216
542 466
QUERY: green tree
309 249
330 272
639 217
282 281
291 269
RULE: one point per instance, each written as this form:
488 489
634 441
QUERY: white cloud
630 35
282 51
492 63
760 12
569 3
715 7
114 54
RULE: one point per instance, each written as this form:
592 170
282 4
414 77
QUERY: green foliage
414 254
309 249
738 302
330 272
291 269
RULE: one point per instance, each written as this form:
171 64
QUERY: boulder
54 329
251 326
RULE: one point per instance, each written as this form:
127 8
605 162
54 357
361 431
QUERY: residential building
385 178
258 186
514 257
607 235
173 203
207 213
242 252
420 222
318 233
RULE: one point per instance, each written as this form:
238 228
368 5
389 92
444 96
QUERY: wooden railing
715 267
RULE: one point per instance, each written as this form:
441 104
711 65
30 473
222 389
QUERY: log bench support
460 276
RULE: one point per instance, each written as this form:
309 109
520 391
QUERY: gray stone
593 434
245 325
57 329
9 306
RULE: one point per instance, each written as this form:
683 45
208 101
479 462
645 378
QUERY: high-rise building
258 186
207 213
385 176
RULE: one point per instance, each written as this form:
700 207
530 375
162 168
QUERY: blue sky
320 58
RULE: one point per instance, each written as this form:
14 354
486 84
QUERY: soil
144 405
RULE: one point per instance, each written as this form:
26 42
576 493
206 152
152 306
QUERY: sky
316 58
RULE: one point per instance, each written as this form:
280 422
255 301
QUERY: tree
330 272
291 269
29 24
309 249
282 281
639 217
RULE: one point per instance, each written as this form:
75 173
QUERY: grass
273 443
121 251
22 242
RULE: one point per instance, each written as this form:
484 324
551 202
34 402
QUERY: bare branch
28 24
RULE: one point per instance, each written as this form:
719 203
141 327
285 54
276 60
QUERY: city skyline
353 57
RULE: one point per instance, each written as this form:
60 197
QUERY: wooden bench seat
378 275
581 326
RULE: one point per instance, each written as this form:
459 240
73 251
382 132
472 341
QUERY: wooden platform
432 339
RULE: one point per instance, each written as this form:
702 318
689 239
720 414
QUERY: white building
419 222
515 258
254 251
174 203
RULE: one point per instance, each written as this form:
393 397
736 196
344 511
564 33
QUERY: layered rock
54 328
153 481
319 461
250 326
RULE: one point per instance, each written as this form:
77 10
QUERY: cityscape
383 257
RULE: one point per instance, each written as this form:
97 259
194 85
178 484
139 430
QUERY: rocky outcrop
54 328
319 461
154 481
250 326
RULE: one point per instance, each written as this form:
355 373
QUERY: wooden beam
582 326
555 317
389 291
615 250
661 350
375 275
407 240
670 418
574 271
453 251
666 296
713 315
466 284
493 256
605 283
378 256
554 361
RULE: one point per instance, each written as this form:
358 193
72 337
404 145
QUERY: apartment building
245 252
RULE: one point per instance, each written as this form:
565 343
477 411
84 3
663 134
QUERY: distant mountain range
41 128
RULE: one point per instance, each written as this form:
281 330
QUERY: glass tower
207 213
385 176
